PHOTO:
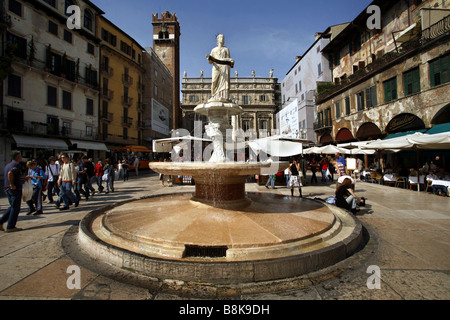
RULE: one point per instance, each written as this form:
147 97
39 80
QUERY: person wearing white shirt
52 171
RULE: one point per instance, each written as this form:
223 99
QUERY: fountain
222 234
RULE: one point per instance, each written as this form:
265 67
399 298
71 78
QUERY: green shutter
445 69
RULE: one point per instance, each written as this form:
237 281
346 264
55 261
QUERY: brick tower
166 44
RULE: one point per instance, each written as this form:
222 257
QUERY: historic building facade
121 86
299 87
388 80
49 79
258 96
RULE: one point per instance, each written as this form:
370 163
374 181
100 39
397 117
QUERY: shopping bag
27 191
105 177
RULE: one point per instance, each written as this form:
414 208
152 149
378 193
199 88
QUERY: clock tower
166 44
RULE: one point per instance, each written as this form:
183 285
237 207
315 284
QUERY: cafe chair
403 181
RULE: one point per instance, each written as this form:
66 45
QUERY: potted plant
32 52
48 58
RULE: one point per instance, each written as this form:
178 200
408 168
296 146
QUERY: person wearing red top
98 170
324 167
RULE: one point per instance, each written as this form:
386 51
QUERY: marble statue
222 63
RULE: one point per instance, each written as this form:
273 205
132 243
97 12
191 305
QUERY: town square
252 152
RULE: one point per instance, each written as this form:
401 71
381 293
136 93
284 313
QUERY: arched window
88 20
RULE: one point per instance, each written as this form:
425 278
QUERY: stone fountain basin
199 169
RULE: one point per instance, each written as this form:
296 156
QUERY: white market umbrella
278 146
166 145
331 149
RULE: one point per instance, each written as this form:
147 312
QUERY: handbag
105 177
27 191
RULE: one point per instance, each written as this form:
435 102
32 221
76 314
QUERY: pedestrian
295 180
272 177
66 181
324 169
37 176
125 168
89 169
136 165
80 186
13 189
110 171
98 170
52 172
346 197
120 170
287 176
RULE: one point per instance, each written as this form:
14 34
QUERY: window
411 81
109 37
328 117
245 125
360 101
193 98
67 100
338 110
90 48
89 131
52 96
17 45
67 36
440 70
125 133
89 107
14 86
263 98
319 69
52 125
66 128
53 28
125 48
15 7
296 88
246 99
88 21
300 85
347 106
390 89
371 97
263 125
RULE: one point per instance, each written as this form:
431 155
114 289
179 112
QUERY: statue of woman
222 63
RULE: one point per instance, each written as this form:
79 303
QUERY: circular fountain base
172 237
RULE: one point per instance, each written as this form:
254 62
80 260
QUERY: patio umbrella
166 145
278 146
330 149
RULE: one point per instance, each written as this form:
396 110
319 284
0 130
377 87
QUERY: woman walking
295 181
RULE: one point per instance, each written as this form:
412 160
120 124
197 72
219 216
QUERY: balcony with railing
108 117
107 94
127 121
127 101
127 79
48 130
107 70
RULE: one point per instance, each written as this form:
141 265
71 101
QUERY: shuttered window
440 70
390 90
411 81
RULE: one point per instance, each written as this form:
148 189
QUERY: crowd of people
64 181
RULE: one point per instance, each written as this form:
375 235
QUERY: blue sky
260 34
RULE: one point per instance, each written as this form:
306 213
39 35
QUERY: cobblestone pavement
408 243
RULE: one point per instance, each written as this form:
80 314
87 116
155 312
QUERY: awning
89 145
278 146
40 143
402 134
439 128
